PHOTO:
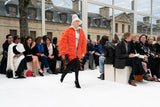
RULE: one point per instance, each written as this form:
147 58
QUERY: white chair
122 75
109 72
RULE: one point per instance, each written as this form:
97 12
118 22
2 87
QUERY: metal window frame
134 11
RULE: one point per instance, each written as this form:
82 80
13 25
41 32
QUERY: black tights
75 65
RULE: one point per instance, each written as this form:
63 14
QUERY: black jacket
121 55
134 47
28 51
55 53
109 52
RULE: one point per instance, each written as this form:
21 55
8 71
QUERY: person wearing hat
72 48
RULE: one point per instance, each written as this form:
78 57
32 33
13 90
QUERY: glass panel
156 27
123 23
104 1
63 3
144 6
143 25
99 21
12 11
156 7
49 16
124 3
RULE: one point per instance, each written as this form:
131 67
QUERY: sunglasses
19 38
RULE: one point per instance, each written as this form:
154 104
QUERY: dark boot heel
62 77
41 74
77 84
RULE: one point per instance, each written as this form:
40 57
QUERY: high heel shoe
156 80
40 73
77 84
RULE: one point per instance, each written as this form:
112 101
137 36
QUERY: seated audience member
51 54
144 51
101 55
16 61
153 59
40 51
56 54
97 53
138 67
84 59
157 46
123 57
5 52
91 51
29 45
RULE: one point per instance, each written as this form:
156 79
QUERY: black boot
77 84
62 76
102 76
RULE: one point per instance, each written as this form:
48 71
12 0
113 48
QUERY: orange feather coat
67 44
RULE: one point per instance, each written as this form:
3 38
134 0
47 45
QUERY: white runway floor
47 91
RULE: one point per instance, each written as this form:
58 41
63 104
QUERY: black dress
4 58
27 53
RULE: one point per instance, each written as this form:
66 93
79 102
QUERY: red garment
67 44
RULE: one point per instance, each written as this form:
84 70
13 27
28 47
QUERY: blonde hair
134 36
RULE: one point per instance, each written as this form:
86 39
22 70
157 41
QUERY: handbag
138 77
29 73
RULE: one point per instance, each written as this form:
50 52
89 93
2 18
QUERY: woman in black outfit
153 59
56 54
138 69
123 57
29 45
51 54
145 52
157 46
5 52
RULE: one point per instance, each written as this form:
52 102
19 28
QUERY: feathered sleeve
63 43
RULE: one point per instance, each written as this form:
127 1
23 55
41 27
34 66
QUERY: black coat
55 53
3 64
134 47
109 52
157 46
121 55
144 49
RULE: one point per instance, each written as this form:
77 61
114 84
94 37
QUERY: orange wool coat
67 44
